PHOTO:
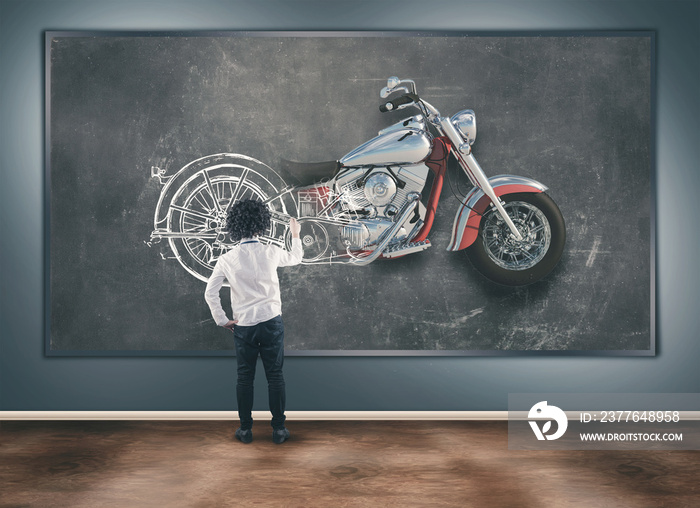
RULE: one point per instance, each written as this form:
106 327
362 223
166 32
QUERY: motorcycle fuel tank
403 146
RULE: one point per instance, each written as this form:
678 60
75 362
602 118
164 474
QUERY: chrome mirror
391 84
386 92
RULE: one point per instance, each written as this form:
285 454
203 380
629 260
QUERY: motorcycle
369 204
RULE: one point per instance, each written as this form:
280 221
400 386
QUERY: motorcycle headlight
465 123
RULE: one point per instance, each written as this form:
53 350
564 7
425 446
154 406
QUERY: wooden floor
325 464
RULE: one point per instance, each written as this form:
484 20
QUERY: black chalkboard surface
571 111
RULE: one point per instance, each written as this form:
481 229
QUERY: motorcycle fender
468 217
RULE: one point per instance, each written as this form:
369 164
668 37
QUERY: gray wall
31 381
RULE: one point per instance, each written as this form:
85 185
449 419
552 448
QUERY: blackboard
571 111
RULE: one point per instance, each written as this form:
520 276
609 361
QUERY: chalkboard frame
652 351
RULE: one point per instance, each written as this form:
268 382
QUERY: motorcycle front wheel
511 262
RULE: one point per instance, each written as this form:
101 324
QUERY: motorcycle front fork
478 178
476 175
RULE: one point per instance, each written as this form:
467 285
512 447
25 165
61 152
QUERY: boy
251 270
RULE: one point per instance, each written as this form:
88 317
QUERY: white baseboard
260 415
291 415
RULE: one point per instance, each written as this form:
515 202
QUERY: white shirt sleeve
293 257
211 294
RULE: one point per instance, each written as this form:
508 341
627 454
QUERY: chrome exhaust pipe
387 235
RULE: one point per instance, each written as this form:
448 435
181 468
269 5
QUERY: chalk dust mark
594 252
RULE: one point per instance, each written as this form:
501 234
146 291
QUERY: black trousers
267 340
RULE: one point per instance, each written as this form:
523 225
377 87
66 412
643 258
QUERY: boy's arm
211 294
294 257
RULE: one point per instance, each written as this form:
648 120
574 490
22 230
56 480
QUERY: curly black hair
246 219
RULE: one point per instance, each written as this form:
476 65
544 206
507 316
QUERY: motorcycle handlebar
399 101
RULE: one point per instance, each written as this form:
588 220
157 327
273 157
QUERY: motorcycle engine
376 199
380 189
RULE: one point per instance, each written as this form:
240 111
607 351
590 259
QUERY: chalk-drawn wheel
195 224
503 259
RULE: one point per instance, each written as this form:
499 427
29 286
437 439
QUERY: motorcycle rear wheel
195 223
505 260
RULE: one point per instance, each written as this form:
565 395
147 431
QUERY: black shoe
279 436
244 436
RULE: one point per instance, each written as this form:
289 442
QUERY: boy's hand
230 324
294 227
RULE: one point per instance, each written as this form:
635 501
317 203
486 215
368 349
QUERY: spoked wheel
195 224
499 256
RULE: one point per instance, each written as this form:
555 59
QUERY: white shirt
251 270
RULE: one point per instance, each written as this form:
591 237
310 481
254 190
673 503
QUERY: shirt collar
249 240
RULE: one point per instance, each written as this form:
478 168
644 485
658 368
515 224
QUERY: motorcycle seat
307 173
